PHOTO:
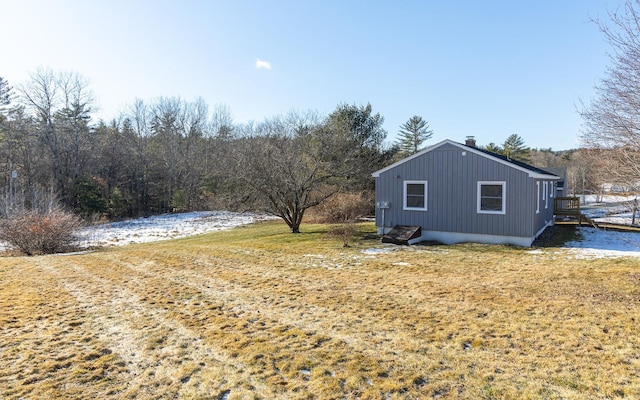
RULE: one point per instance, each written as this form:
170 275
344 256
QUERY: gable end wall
452 195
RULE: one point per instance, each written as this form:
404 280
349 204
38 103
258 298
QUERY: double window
415 195
492 197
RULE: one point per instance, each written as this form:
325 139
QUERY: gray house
458 193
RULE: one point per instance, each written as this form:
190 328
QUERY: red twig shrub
34 232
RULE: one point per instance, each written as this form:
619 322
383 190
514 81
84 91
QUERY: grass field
258 313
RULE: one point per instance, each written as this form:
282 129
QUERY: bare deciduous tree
285 167
612 119
61 104
293 163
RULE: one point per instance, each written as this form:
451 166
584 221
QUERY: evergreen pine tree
5 95
515 148
494 148
413 134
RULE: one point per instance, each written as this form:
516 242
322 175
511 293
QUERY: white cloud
261 64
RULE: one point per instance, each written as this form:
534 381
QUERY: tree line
172 155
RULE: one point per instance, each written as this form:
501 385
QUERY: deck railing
568 207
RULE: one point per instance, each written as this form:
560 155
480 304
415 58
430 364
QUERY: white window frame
404 195
546 195
538 197
504 197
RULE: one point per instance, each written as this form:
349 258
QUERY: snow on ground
609 209
161 227
593 244
378 250
599 243
605 199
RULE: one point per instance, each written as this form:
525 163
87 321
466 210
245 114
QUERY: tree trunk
293 218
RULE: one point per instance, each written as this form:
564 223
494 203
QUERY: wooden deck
567 210
617 227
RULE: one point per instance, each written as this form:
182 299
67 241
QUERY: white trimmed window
492 197
415 195
546 195
538 197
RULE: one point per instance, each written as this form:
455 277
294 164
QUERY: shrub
345 207
343 210
344 231
35 232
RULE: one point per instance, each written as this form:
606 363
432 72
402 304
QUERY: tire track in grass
351 329
47 354
160 353
362 334
282 349
364 328
246 300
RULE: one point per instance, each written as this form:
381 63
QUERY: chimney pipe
471 141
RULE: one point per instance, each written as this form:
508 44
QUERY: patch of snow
377 250
598 243
605 211
604 199
313 255
622 219
75 253
160 227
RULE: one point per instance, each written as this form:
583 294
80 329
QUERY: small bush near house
344 231
343 210
345 207
36 232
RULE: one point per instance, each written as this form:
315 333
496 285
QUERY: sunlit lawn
256 312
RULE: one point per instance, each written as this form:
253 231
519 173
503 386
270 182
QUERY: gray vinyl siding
453 194
546 214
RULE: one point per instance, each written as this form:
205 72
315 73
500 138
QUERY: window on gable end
415 195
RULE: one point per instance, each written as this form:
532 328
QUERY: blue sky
487 69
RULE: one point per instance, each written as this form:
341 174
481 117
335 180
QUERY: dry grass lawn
258 313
